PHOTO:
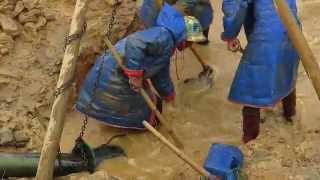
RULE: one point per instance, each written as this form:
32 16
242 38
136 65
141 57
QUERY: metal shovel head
224 161
205 79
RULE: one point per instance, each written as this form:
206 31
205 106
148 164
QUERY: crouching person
109 94
267 71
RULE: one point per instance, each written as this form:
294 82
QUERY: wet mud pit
203 116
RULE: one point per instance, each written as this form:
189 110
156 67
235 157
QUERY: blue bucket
224 161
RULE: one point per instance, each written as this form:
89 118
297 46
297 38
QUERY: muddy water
204 116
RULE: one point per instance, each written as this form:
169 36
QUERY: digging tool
152 106
299 42
206 75
179 153
55 127
207 71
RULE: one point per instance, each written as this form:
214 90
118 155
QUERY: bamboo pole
309 61
179 153
55 127
152 106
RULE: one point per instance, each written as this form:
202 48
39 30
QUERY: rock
20 136
112 2
31 16
9 100
49 15
286 163
6 41
31 30
5 6
30 4
282 140
6 136
5 116
4 51
9 25
42 21
18 9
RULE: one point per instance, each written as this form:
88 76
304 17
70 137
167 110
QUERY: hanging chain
96 85
68 40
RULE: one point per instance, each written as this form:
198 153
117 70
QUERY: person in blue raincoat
109 94
201 9
267 71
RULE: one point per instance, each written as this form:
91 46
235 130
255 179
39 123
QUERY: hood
172 19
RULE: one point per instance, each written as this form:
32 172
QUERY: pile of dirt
20 18
33 46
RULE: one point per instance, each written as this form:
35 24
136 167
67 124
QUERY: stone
112 2
6 136
18 9
31 16
9 25
30 4
20 136
42 21
49 15
5 116
4 51
6 41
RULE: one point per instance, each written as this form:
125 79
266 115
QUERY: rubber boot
289 106
251 123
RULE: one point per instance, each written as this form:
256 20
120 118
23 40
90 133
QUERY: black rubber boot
289 106
251 123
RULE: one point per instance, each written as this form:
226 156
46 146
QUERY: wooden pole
309 61
152 106
55 127
178 152
201 61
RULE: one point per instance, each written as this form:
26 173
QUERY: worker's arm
235 12
163 84
134 56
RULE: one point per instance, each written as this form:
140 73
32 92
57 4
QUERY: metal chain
72 37
112 18
96 84
68 40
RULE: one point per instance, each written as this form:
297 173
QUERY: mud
29 71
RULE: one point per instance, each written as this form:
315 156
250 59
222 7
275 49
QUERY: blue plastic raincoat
145 53
268 69
201 9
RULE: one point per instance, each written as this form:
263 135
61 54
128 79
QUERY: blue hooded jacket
268 69
146 53
201 9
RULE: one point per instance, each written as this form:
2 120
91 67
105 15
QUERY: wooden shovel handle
152 106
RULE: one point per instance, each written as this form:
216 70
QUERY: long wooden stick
55 127
201 61
152 106
178 152
300 43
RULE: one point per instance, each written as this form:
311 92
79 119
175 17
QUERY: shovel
206 75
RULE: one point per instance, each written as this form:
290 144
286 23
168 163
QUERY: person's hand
234 45
136 83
